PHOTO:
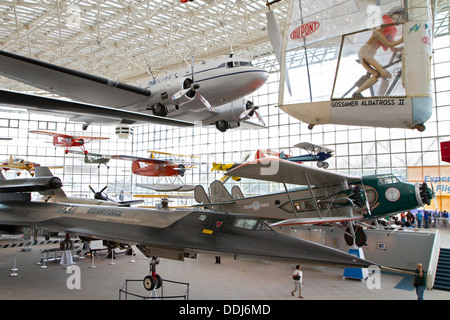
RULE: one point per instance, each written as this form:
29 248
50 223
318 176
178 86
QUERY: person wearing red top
382 37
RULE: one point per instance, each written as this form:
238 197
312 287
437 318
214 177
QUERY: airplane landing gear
153 280
222 125
311 126
420 127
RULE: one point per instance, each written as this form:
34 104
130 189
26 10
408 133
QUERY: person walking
298 281
420 281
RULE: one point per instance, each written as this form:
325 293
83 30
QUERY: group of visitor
422 219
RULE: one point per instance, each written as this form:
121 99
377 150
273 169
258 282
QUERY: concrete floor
230 280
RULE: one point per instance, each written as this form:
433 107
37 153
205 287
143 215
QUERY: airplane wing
142 159
82 112
279 170
168 187
312 147
91 154
53 134
70 83
300 221
91 138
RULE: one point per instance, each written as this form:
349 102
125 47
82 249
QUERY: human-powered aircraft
326 197
368 65
178 235
211 93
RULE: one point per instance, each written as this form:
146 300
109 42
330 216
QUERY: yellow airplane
21 164
228 166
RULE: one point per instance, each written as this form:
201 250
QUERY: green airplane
326 197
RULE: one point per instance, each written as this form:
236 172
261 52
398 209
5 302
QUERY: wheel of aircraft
360 236
222 125
319 164
310 126
153 281
66 245
325 165
149 283
84 126
420 127
181 169
159 110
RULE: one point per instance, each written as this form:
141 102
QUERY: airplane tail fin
236 193
135 166
45 172
259 155
218 193
215 166
200 195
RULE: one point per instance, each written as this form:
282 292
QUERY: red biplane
68 141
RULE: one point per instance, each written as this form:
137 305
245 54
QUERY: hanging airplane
315 153
327 197
58 195
178 235
172 99
381 60
162 167
20 164
228 166
94 158
68 141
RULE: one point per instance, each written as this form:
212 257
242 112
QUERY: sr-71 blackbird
175 235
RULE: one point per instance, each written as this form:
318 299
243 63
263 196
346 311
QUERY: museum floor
230 280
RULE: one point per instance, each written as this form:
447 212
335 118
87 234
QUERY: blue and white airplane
207 93
315 153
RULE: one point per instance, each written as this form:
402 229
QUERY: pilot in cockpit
382 37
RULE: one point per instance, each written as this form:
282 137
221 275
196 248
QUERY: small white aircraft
210 93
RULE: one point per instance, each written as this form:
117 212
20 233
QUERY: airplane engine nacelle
171 94
231 112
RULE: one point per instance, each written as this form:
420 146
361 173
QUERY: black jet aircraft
180 234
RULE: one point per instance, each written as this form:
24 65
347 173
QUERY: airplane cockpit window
388 179
232 64
221 65
251 224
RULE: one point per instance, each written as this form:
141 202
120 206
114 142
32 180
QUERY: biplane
20 164
315 153
380 53
325 196
68 141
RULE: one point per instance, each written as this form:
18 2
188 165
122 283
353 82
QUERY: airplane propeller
250 109
99 195
191 89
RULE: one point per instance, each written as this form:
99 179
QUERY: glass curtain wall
358 150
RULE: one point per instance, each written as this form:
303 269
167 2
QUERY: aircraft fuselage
386 195
174 234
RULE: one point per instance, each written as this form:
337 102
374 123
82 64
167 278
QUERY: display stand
14 269
356 273
66 259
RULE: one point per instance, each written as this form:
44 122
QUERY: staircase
442 279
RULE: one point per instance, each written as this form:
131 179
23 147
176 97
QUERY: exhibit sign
439 178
